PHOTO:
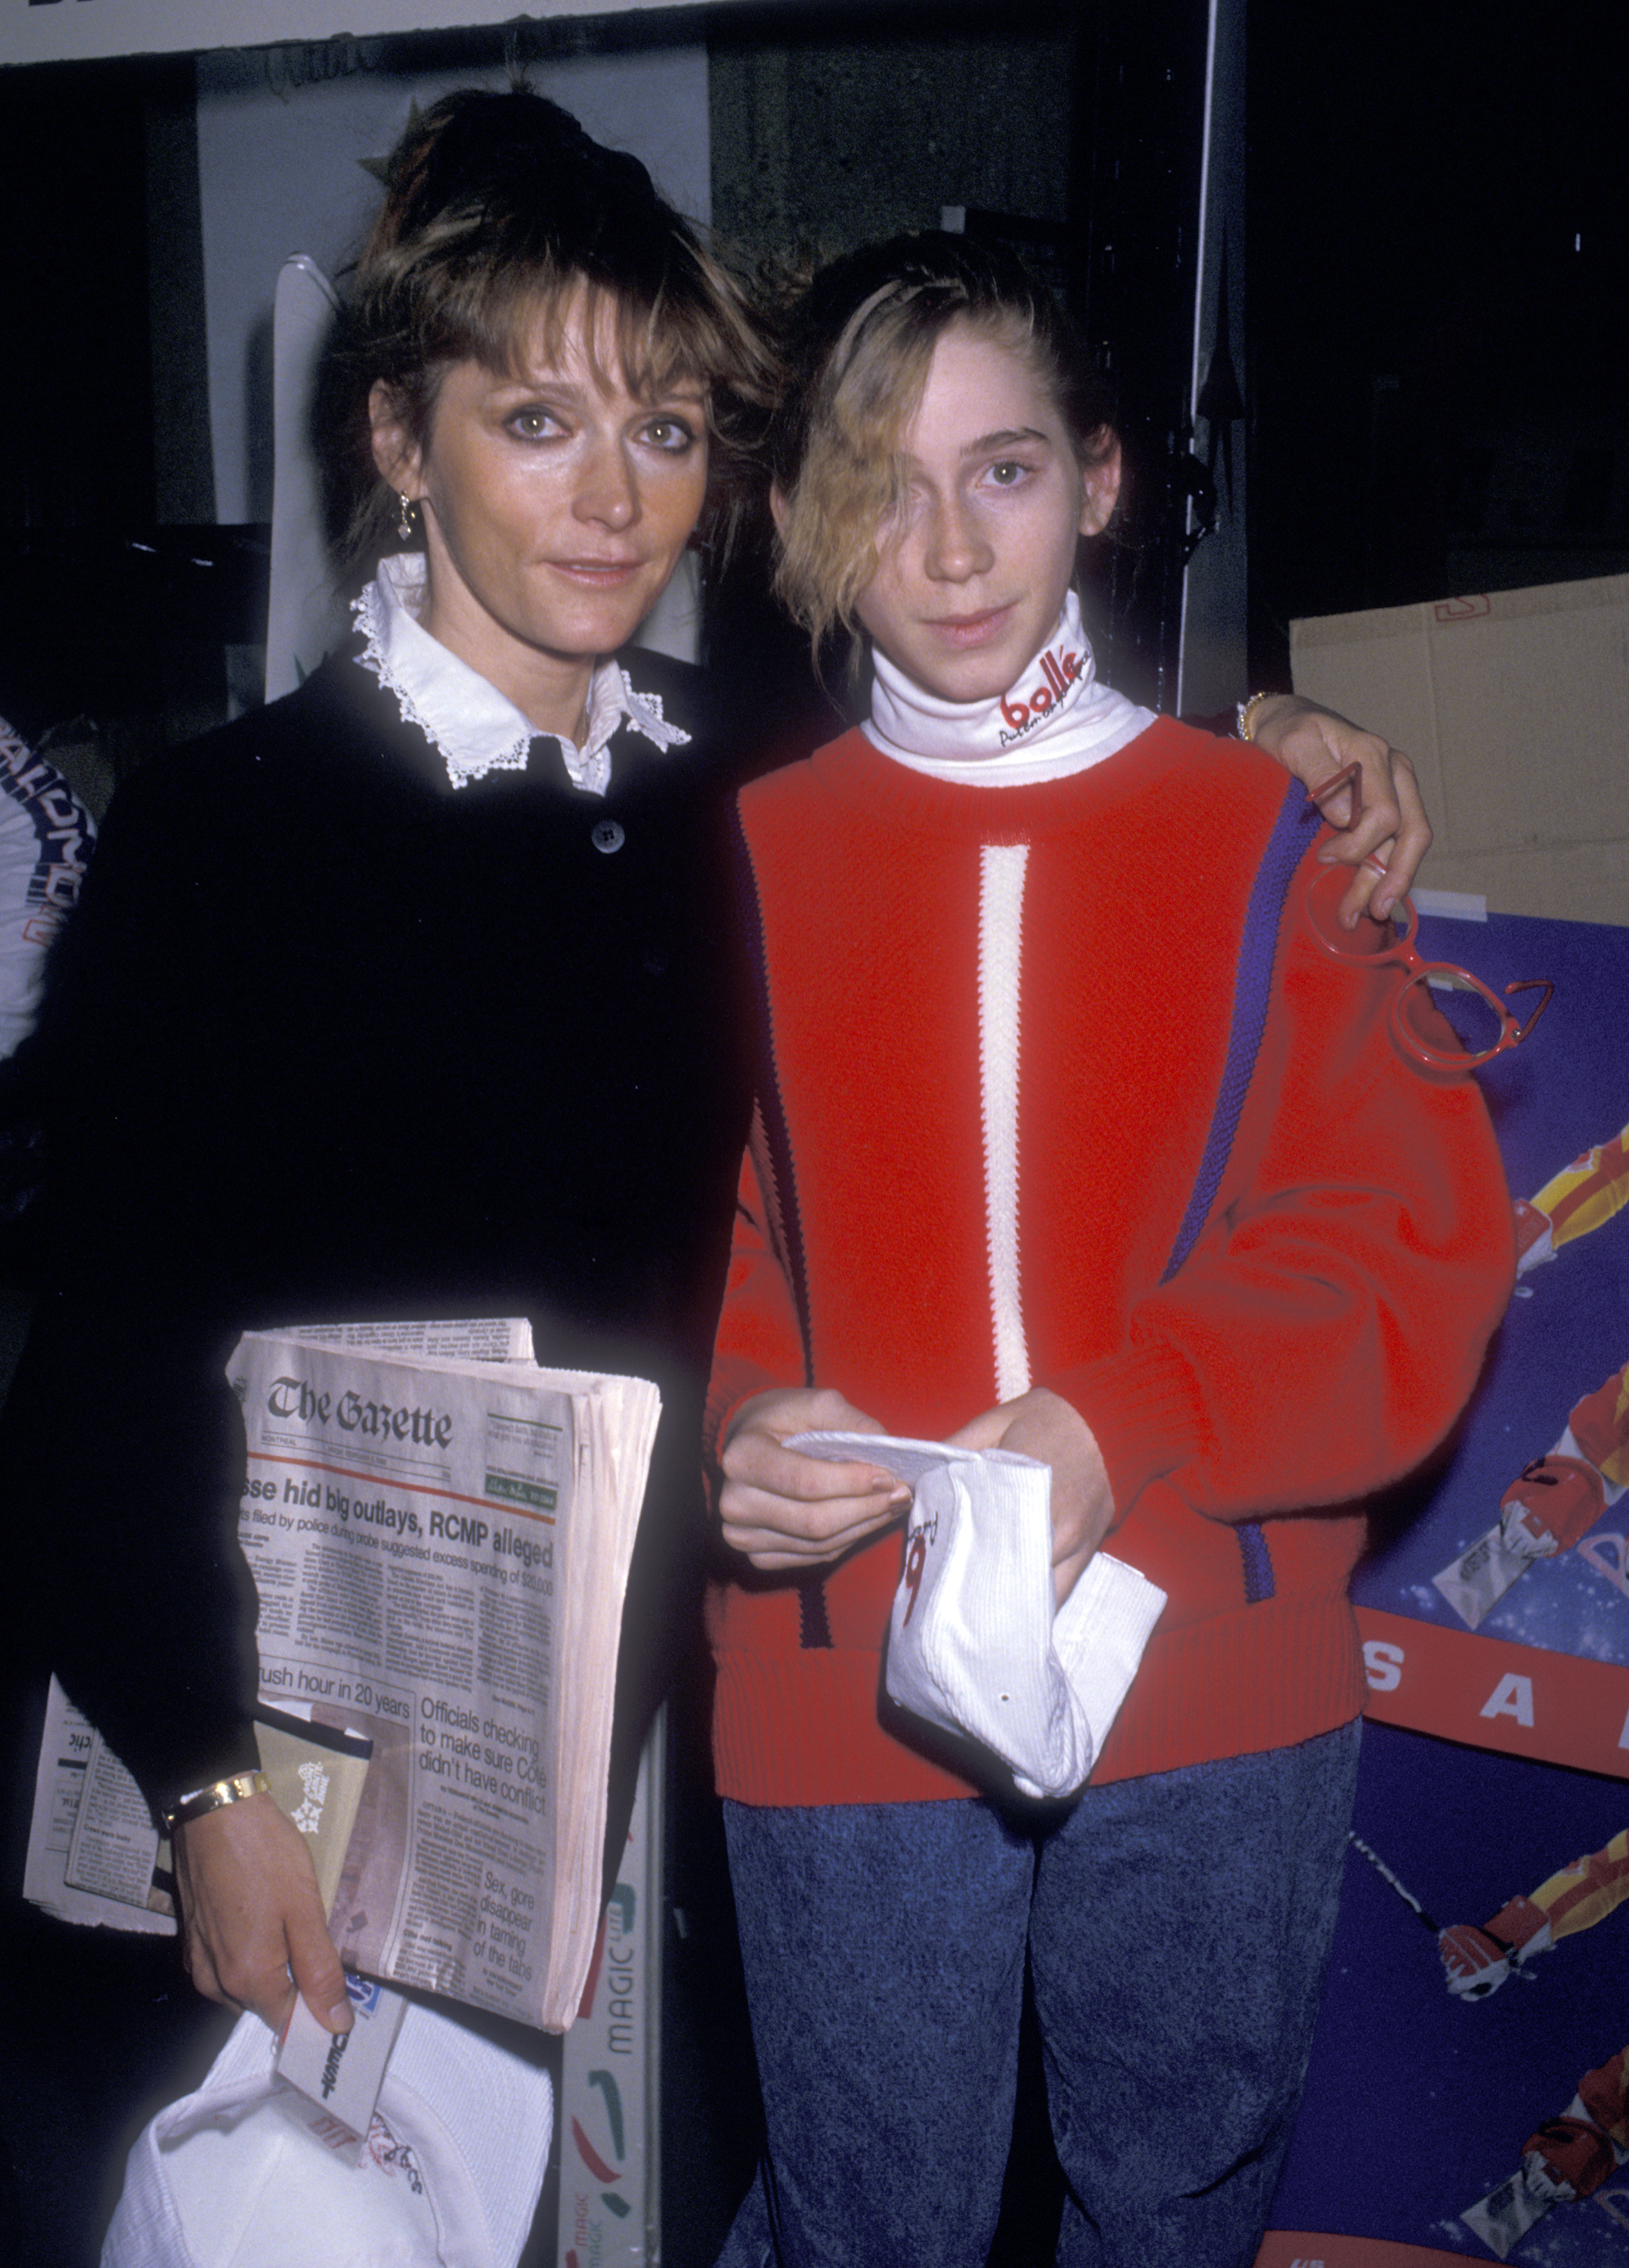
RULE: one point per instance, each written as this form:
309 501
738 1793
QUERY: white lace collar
477 728
1056 718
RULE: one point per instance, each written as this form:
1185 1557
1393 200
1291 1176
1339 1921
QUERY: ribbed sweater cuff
1145 1414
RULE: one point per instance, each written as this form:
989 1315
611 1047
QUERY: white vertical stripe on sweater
1000 950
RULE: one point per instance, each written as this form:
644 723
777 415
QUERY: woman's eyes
1008 472
534 424
671 434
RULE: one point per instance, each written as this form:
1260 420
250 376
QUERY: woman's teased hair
857 343
500 212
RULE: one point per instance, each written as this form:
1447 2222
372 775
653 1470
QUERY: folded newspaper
440 1533
975 1643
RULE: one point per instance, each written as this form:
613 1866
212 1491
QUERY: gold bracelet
1246 714
215 1797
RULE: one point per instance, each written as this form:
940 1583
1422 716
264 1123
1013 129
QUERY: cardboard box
1514 707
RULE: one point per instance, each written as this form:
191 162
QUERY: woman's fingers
1386 846
1382 830
253 1915
1380 827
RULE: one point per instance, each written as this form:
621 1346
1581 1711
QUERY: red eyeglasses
1416 1022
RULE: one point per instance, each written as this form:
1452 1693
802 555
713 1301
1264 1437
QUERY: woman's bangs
517 328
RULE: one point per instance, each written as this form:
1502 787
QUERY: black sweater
330 1039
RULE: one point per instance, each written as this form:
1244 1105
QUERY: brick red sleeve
1331 1322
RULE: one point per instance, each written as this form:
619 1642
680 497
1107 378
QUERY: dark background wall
1439 254
1436 259
829 127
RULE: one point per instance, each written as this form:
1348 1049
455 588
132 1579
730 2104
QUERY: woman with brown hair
411 994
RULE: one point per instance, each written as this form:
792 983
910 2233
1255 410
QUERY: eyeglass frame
1331 882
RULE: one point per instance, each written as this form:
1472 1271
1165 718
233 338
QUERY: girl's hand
1042 1425
785 1511
1391 834
252 1914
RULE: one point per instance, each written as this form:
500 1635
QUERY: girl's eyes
1007 472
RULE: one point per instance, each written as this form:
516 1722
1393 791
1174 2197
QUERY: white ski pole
1386 1875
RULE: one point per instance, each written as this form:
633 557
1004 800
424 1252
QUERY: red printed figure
1569 2156
1550 1506
1582 1196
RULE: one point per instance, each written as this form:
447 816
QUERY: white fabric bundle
975 1643
233 2177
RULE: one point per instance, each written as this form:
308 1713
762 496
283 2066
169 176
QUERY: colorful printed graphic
1546 1444
607 2150
1582 1196
1569 2157
1442 2125
1550 1506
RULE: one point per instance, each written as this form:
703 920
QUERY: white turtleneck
1055 719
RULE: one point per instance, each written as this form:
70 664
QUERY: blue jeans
1177 1929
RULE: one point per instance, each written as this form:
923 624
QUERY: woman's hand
1042 1425
1391 834
785 1511
252 1914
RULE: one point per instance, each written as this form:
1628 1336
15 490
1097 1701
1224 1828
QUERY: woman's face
970 581
556 506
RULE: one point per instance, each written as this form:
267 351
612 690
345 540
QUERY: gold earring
404 526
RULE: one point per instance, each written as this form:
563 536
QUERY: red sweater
998 1024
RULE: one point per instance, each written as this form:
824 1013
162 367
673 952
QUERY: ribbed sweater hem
803 1729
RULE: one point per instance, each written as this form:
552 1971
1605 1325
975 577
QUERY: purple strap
1297 821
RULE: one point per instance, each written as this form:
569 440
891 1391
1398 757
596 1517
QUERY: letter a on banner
1511 1696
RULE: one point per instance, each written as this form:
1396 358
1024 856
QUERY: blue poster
1495 1612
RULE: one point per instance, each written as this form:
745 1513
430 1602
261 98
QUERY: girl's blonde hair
858 344
500 216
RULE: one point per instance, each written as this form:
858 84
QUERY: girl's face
971 578
556 506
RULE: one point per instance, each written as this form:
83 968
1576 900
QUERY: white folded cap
234 2176
975 1645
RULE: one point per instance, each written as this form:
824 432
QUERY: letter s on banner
1382 1665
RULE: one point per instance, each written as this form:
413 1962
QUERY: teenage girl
1070 1138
